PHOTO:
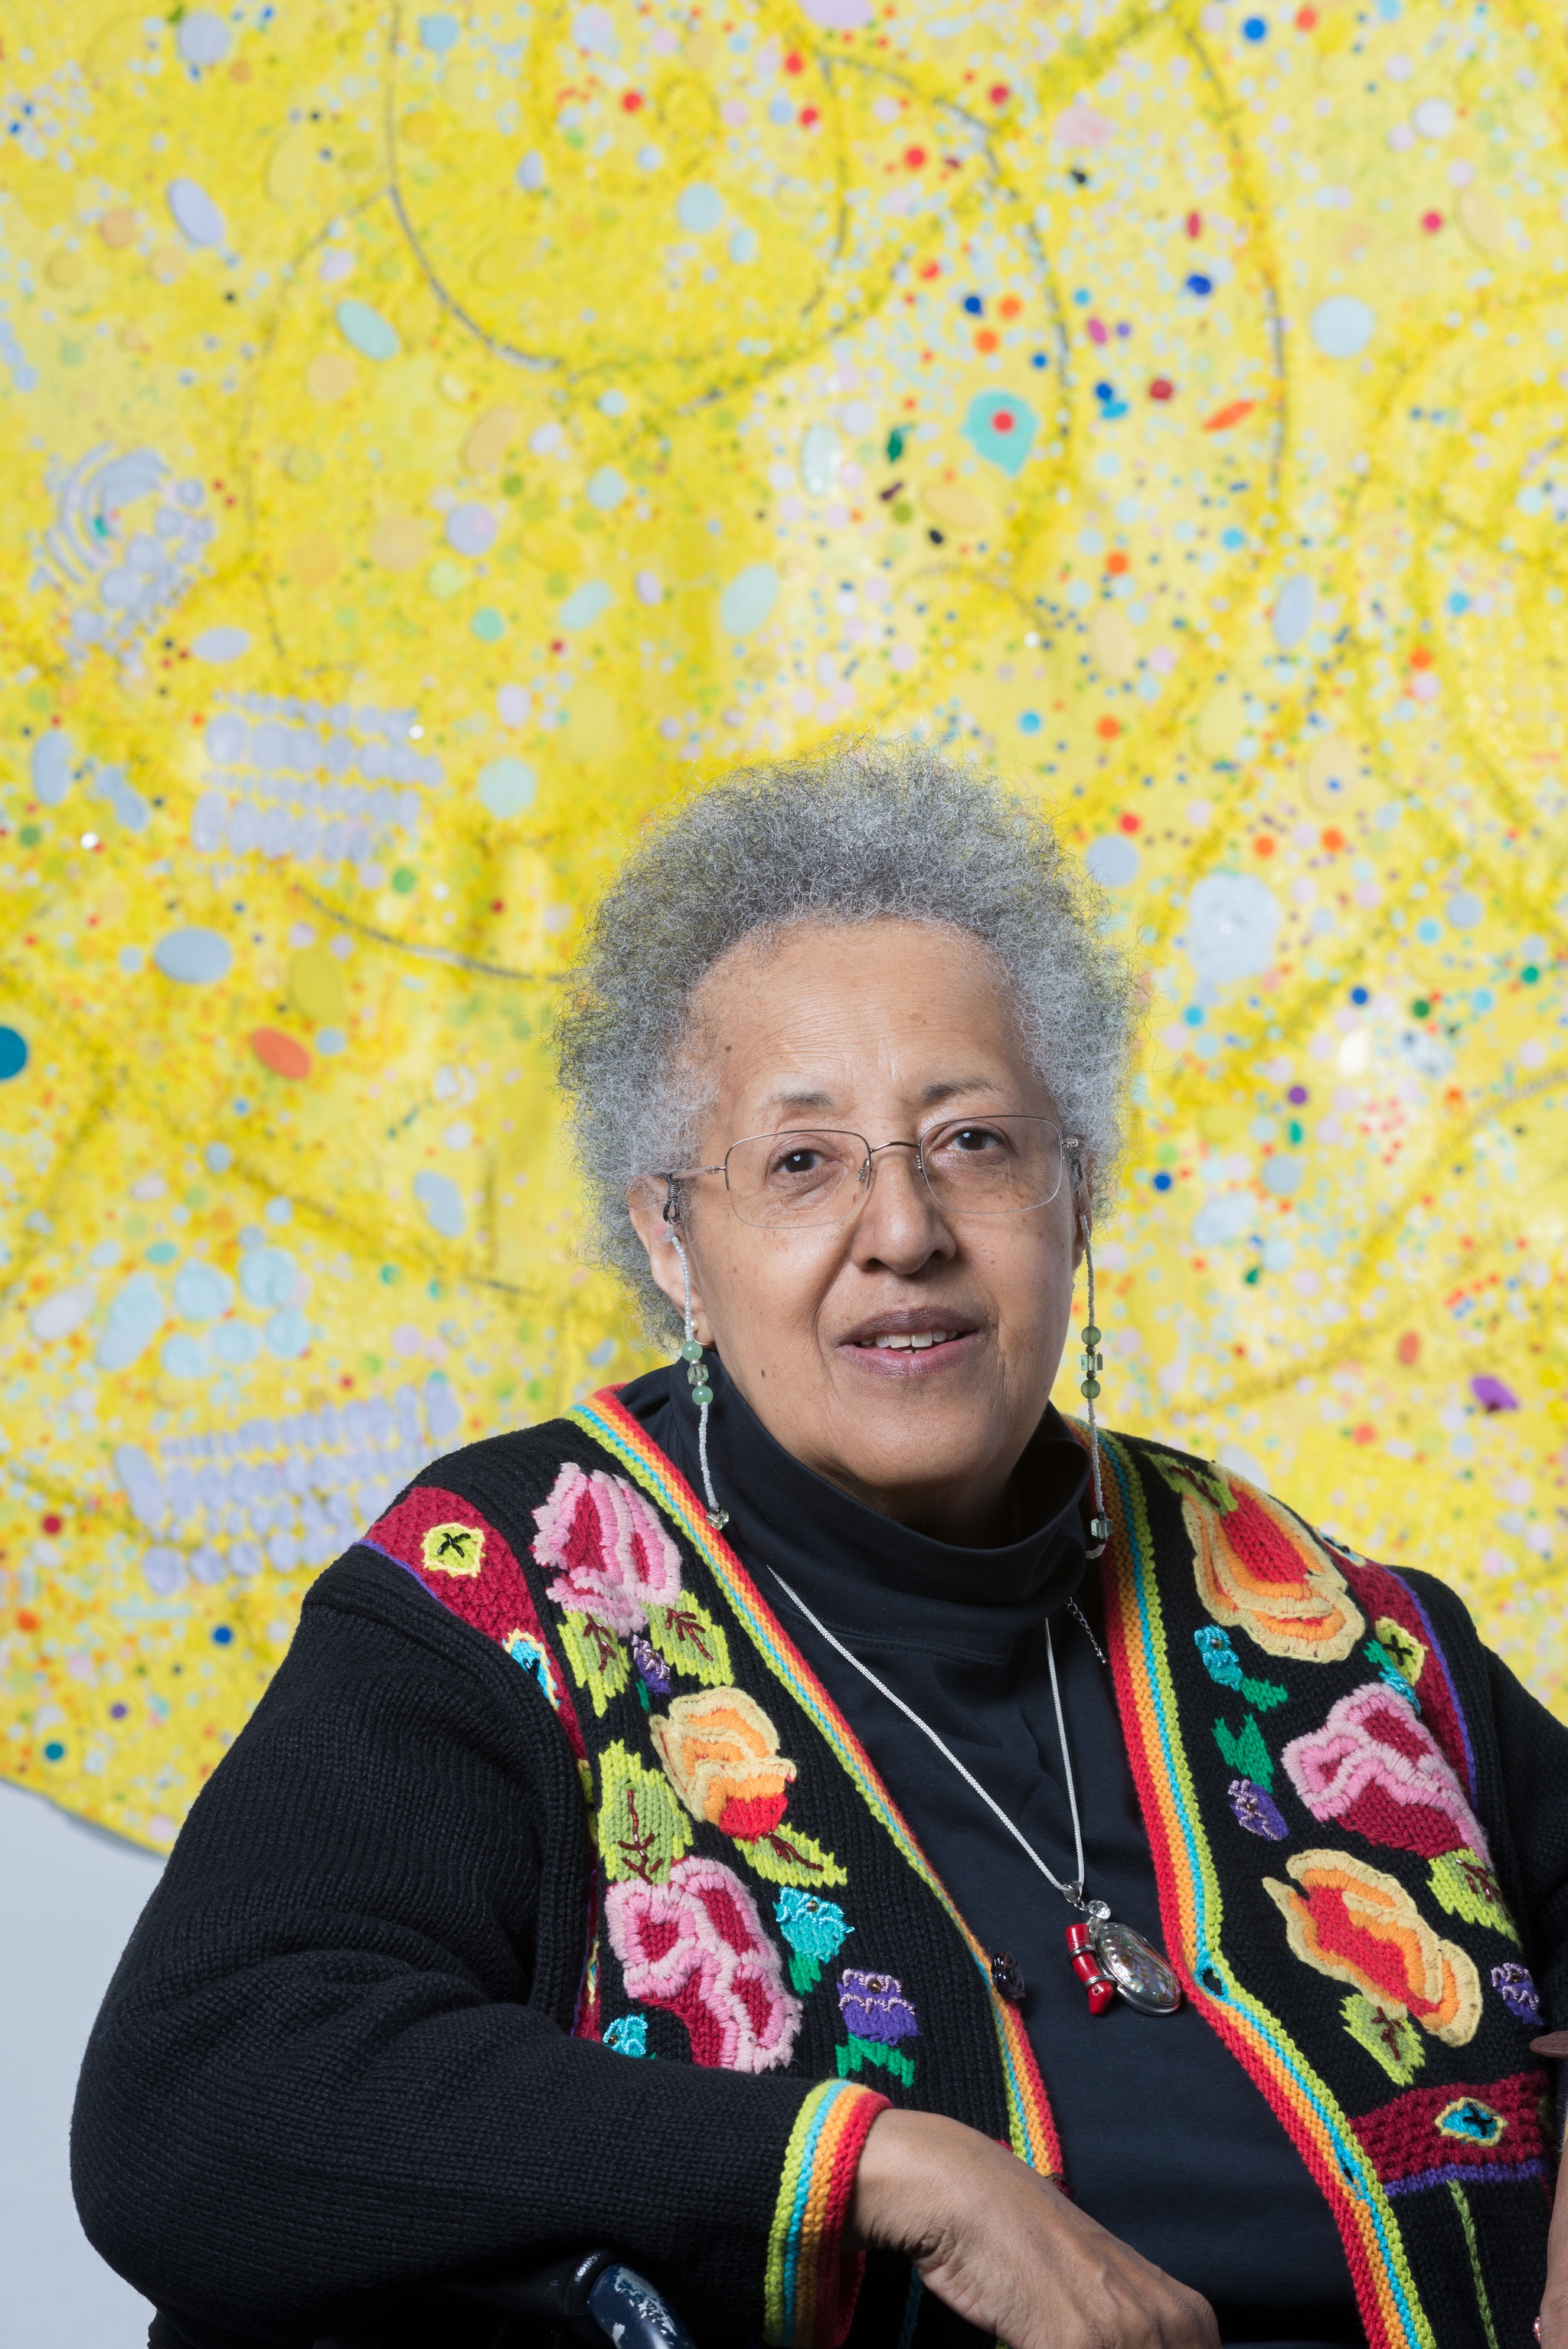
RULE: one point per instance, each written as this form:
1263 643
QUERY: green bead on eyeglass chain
691 1351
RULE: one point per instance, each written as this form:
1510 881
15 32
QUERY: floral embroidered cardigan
517 1921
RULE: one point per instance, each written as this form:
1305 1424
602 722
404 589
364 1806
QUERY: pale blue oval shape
194 214
700 208
1282 1175
202 1292
372 335
606 489
1220 1221
221 644
195 957
507 786
1112 859
1293 612
236 1342
288 1334
267 1276
1343 326
584 605
442 1202
49 767
184 1358
748 599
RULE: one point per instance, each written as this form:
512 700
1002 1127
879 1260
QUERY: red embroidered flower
614 1558
1257 1569
1375 1767
694 1946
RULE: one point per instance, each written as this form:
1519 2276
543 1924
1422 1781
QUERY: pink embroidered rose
1375 1767
615 1559
694 1946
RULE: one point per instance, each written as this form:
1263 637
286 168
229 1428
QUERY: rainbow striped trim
804 2299
1031 2129
1193 1914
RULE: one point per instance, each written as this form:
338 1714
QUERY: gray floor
69 1896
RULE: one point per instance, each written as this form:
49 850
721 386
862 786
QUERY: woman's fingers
1003 2249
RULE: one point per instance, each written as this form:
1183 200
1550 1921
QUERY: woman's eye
797 1162
972 1138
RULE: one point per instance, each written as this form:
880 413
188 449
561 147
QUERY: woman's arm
333 2062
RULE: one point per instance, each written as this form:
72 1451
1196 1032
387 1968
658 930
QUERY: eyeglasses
818 1174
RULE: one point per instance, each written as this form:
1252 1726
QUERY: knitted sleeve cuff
812 2282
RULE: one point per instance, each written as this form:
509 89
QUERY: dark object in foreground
595 2299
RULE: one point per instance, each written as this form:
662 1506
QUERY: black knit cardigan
515 1922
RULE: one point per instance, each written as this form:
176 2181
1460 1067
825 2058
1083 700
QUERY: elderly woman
813 1819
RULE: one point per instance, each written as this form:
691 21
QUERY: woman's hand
1003 2248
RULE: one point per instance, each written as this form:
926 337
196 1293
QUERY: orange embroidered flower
1257 1567
1359 1926
721 1753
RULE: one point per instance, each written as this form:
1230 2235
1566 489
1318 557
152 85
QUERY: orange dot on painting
1305 19
632 101
1108 729
1409 1349
285 1055
1423 657
117 227
986 340
1262 845
26 1620
1009 305
1334 840
1118 562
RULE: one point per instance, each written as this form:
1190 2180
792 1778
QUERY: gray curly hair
858 832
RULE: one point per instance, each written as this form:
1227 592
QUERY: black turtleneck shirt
1166 2140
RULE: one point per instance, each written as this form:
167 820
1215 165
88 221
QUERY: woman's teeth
916 1344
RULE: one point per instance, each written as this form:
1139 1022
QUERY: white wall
69 1896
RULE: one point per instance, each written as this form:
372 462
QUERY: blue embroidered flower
873 2007
1516 1986
1388 1670
1256 1810
1220 1659
628 2034
815 1929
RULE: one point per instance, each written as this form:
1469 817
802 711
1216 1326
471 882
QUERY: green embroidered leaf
1466 1888
599 1663
786 1855
686 1636
643 1830
1197 1478
805 1972
1264 1694
1391 2040
1246 1751
862 2052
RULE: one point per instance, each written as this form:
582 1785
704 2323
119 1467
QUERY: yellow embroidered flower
1359 1926
722 1755
1258 1569
453 1548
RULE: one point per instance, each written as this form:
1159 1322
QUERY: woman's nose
900 1224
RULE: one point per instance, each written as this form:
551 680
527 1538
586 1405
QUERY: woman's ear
646 1203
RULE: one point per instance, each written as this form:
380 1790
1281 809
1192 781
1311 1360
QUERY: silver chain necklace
1110 1958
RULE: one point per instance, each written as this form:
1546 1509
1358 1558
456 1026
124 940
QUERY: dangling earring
1091 1361
696 1375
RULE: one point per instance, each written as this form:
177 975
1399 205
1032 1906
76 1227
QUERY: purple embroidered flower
873 2007
655 1672
1518 1993
1256 1810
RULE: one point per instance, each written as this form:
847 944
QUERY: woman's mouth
921 1345
915 1342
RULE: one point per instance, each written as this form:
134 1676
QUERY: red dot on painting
794 62
808 115
632 101
1130 823
51 1524
1002 422
1431 223
1194 224
1000 93
1305 19
916 157
1162 389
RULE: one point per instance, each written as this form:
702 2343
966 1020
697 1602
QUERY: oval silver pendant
1143 1977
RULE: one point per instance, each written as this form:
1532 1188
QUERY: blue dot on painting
487 626
54 1751
700 208
1254 28
222 1635
1162 1181
1038 360
974 306
1029 723
439 34
1359 995
1193 1015
12 1055
1428 931
1458 602
1198 284
1081 297
1234 539
1104 391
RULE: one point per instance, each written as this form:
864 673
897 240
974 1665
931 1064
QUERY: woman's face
885 1029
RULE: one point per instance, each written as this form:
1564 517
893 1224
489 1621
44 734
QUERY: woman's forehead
810 1024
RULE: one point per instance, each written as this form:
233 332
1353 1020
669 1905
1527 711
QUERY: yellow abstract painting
433 440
